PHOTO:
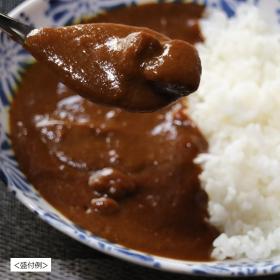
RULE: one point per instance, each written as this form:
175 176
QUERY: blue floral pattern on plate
13 61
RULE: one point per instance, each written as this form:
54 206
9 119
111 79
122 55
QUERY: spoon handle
15 29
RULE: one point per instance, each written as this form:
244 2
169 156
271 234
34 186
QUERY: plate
13 61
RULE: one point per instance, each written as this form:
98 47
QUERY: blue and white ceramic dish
13 60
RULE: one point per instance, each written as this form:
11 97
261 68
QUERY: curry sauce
127 177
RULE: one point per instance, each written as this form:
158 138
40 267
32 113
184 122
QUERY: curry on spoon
134 68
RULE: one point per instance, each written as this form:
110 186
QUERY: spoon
17 30
134 68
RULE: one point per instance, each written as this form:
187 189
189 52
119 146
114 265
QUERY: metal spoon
19 31
15 29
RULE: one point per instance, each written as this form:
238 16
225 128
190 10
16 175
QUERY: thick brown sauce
128 177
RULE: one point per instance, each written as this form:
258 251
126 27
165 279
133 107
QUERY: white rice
238 109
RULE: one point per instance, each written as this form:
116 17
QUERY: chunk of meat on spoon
134 68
